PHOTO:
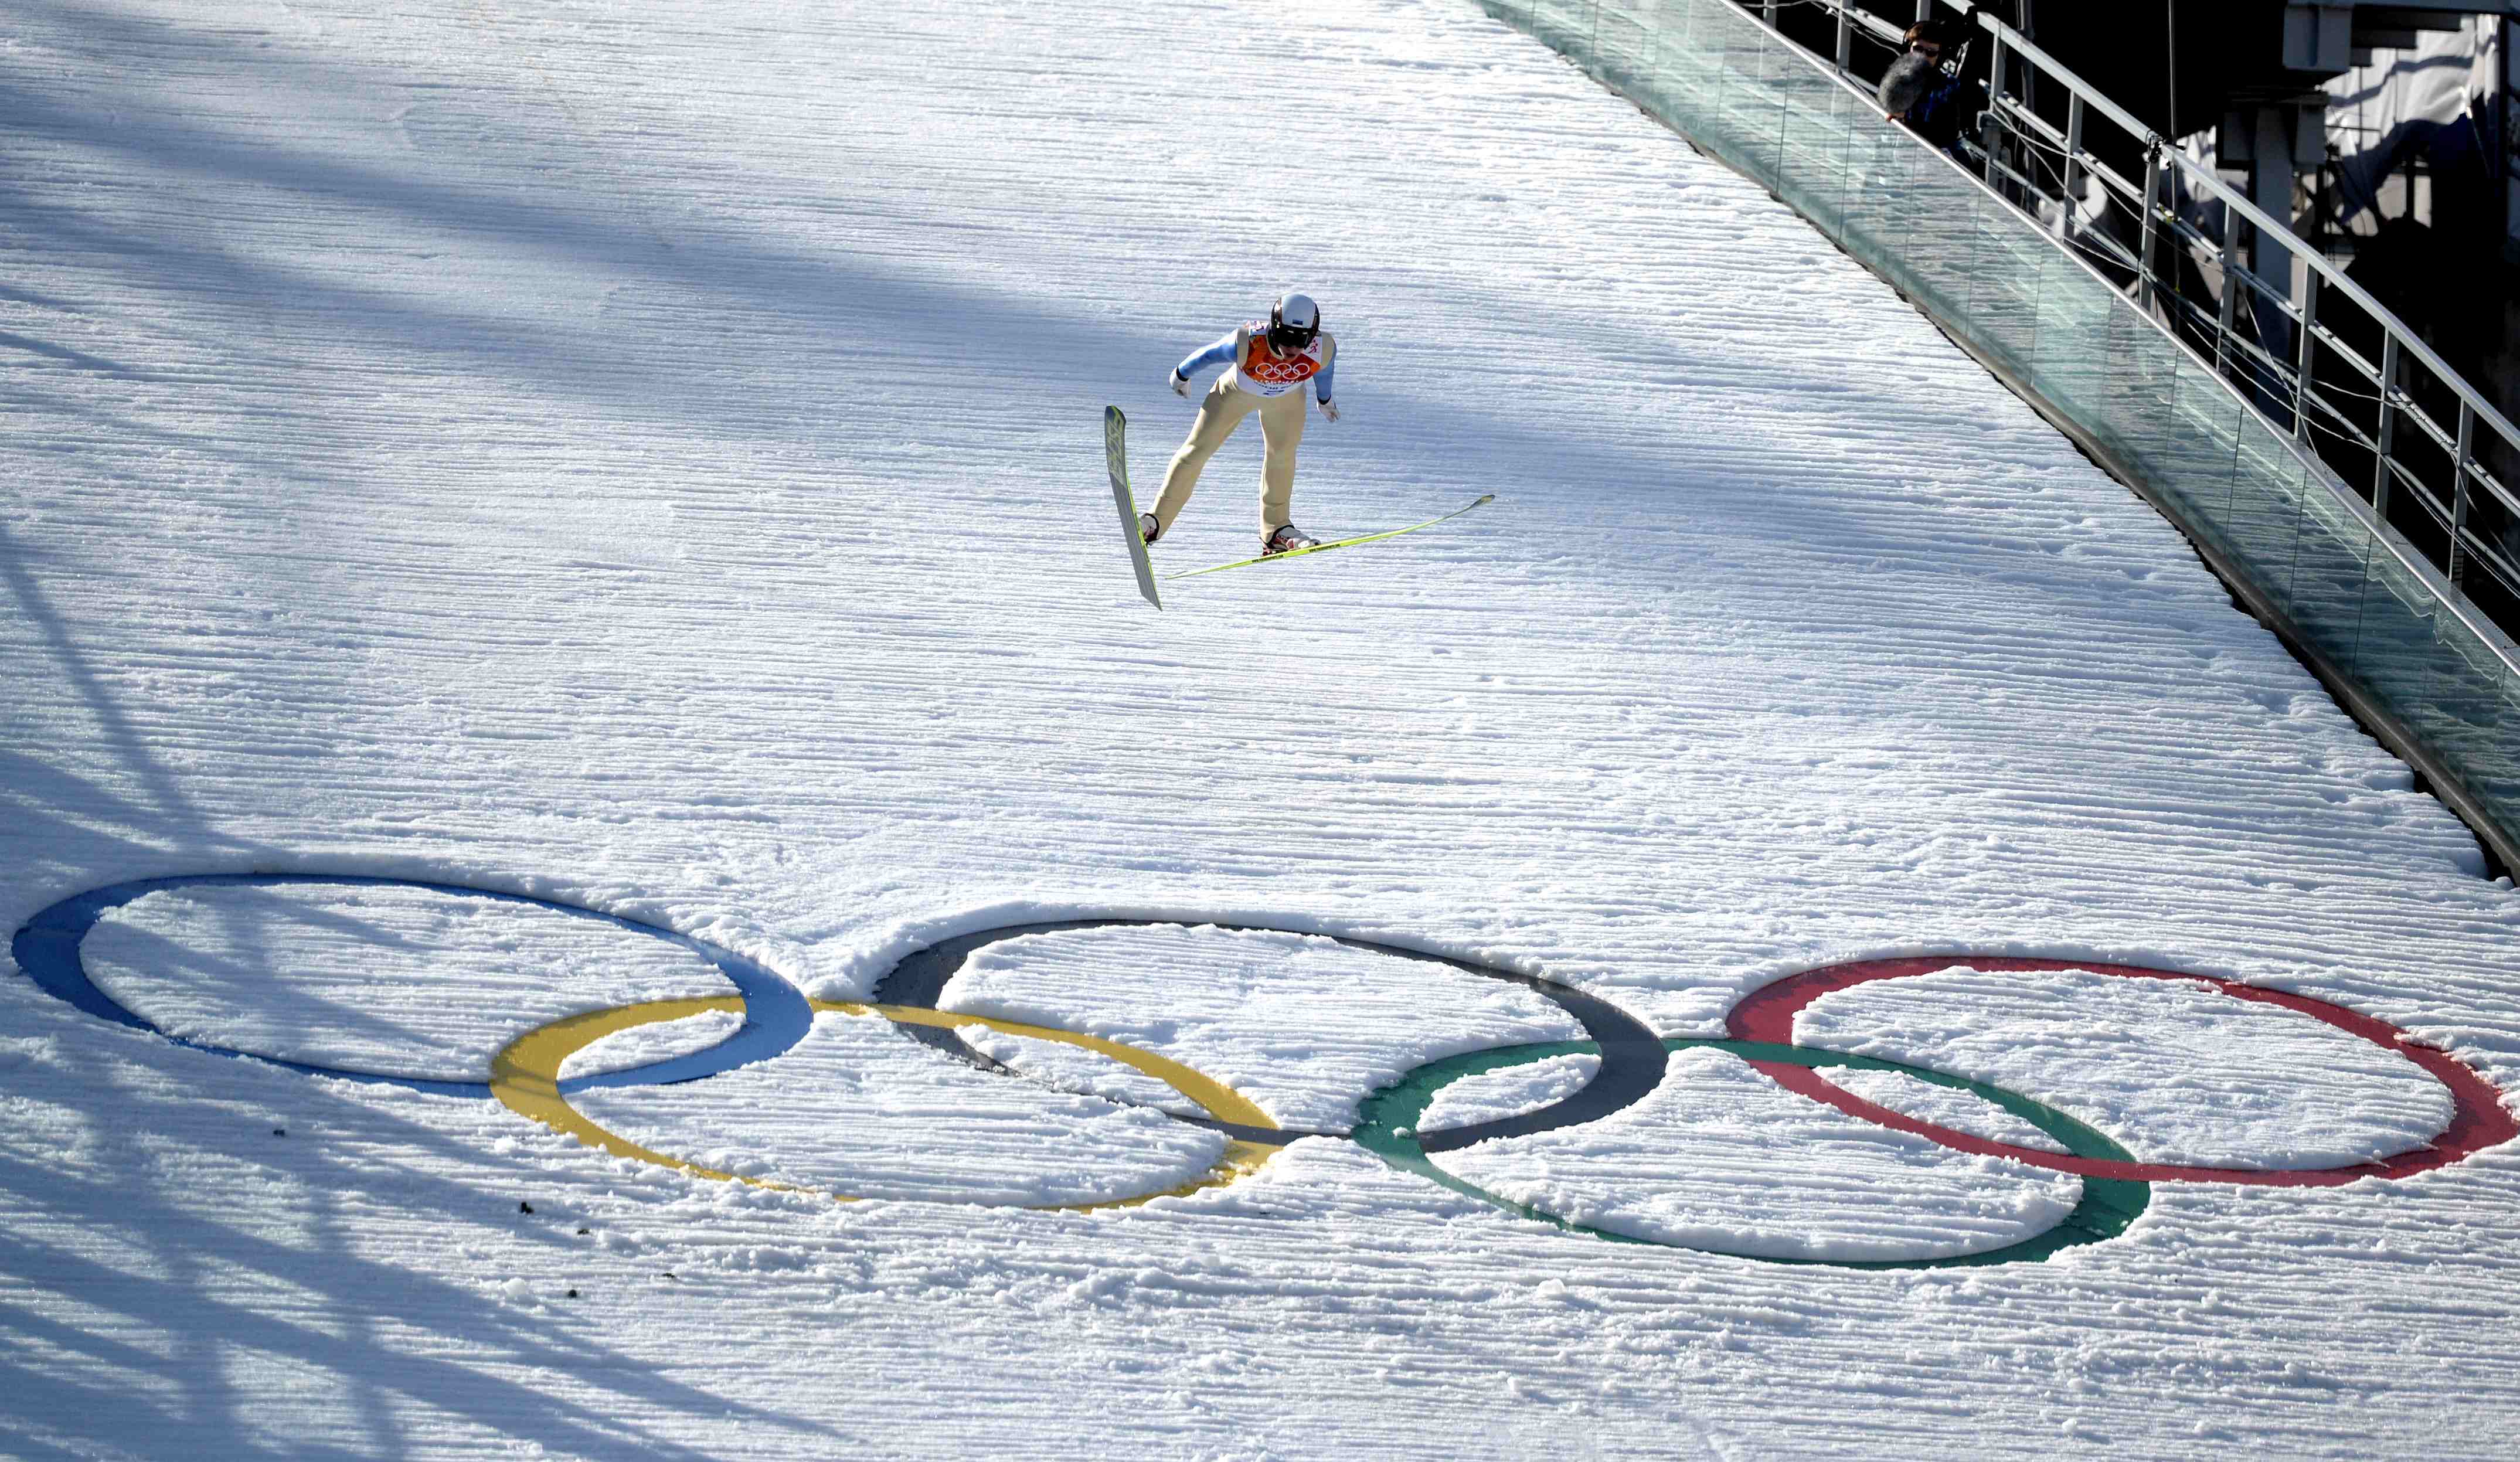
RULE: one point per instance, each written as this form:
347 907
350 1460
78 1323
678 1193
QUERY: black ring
1633 1058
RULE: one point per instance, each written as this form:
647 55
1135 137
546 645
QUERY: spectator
1923 91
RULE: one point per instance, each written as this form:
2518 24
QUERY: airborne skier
1269 361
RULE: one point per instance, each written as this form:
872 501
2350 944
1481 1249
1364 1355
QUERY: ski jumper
1264 379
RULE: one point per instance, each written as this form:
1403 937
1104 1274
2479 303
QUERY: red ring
2478 1119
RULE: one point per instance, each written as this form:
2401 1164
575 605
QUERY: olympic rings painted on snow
525 1073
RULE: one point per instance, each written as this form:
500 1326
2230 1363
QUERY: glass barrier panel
2008 274
1941 204
2199 448
2473 701
2328 576
1561 25
2264 518
1623 47
2397 640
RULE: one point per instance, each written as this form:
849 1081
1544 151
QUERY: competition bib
1265 371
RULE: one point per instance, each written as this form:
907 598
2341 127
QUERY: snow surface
659 1040
648 454
857 1109
1508 1092
1721 1157
2174 1070
1302 1025
1944 1106
1068 1067
396 980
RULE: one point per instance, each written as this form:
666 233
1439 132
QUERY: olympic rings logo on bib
1281 372
525 1073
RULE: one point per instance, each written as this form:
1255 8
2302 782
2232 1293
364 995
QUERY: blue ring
775 1016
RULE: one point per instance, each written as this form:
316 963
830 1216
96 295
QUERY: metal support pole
2170 43
2231 287
2381 472
1995 99
2307 360
2073 166
1845 35
1771 12
2029 29
2458 491
2151 217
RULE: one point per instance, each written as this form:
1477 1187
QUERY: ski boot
1287 538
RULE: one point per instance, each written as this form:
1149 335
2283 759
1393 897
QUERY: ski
1115 448
1297 553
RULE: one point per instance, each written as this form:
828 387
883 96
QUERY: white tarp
2378 111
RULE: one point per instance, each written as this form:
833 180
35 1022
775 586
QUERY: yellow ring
525 1078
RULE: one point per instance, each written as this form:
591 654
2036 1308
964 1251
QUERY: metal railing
2384 411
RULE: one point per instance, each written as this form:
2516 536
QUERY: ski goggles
1294 337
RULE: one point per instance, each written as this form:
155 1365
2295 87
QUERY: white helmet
1294 321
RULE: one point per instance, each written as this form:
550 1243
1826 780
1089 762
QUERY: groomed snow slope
648 455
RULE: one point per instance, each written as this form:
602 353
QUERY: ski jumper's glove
1328 411
1215 354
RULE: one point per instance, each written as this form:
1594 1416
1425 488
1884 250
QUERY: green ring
1388 1120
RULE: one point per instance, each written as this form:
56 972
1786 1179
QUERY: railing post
2232 287
2073 165
2458 490
2151 216
1995 100
1845 34
2309 344
1770 12
2382 471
